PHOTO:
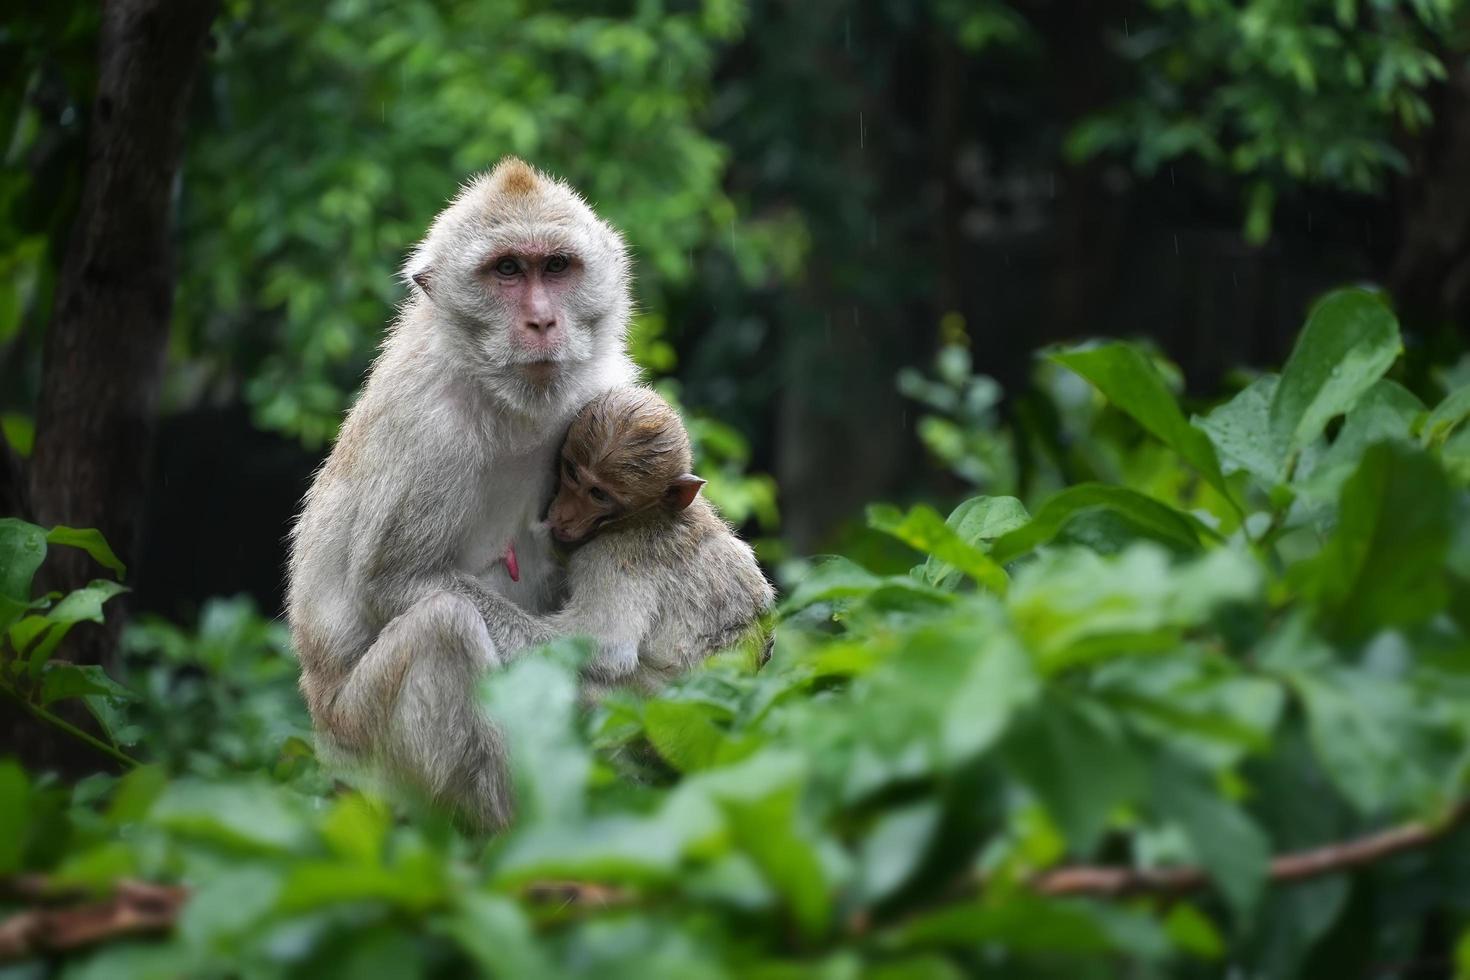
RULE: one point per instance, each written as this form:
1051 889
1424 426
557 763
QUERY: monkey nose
543 326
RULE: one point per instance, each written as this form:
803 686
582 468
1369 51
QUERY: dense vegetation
1182 689
1090 737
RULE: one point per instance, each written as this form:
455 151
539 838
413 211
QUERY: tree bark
105 347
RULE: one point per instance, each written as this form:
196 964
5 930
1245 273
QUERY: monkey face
532 288
534 284
626 454
584 502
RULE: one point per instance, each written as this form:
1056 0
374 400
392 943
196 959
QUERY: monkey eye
507 267
596 494
557 263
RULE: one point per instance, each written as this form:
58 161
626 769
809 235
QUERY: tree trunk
105 347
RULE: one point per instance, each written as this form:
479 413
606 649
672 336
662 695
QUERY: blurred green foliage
1243 634
390 104
1279 93
325 137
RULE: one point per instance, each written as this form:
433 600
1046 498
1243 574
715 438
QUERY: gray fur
447 456
659 593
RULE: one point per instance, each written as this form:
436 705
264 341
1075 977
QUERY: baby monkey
655 577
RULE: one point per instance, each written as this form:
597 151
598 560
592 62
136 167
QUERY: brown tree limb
138 907
135 908
1108 881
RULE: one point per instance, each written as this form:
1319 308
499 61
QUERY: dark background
838 178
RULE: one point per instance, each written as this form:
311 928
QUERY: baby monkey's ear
422 278
682 491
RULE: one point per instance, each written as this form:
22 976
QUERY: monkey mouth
540 372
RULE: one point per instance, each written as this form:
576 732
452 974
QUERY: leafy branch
1108 881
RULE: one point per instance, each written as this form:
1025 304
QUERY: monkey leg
415 691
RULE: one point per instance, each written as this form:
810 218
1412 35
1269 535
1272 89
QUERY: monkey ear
422 278
682 491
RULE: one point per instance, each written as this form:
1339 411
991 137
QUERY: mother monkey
519 318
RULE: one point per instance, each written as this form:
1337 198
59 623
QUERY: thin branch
57 721
138 907
135 908
1110 881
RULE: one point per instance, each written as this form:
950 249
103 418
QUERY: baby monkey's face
626 453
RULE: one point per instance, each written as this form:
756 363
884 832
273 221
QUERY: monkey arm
616 611
615 608
512 628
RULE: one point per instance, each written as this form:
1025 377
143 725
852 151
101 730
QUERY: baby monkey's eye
557 263
507 267
597 495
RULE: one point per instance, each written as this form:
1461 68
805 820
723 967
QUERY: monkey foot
511 564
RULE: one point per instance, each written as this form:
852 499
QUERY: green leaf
1025 923
534 702
1384 564
18 430
611 849
1192 931
1074 607
985 518
924 530
1143 514
92 542
1260 204
999 681
83 605
760 797
1080 765
684 733
1447 416
60 681
22 549
977 520
768 830
834 579
498 937
1368 733
1386 411
892 851
227 905
1227 842
135 795
312 884
1350 340
250 814
150 961
1131 382
12 611
15 815
1241 432
356 828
